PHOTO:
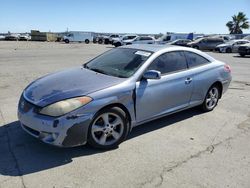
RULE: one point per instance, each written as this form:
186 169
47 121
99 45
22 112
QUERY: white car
143 40
231 46
126 39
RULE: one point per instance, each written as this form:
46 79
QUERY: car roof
148 47
158 47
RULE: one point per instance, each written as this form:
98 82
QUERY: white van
75 36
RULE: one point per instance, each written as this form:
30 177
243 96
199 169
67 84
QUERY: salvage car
244 50
125 40
231 46
101 101
206 43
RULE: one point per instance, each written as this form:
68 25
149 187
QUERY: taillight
227 68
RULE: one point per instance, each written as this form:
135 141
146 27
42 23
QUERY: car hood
67 84
223 45
247 45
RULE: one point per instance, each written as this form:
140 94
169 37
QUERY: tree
238 23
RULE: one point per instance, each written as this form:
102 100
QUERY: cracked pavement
187 149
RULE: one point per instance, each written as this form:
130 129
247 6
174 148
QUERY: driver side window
169 62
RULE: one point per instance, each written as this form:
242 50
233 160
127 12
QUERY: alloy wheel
212 98
107 129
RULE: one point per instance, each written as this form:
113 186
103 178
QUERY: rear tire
242 55
87 41
108 129
211 99
100 41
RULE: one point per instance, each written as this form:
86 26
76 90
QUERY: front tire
108 129
242 55
211 99
66 41
228 50
117 44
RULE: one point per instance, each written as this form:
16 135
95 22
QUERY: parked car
109 39
226 38
75 36
98 39
180 42
2 37
126 39
101 101
247 37
25 37
12 37
206 43
231 46
244 49
142 40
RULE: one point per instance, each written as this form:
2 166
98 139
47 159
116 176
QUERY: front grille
26 106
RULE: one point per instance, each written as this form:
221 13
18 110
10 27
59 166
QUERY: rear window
195 60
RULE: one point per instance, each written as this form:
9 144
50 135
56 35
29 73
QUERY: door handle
188 80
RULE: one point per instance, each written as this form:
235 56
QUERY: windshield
119 62
230 42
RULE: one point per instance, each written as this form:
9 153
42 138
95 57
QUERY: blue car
101 101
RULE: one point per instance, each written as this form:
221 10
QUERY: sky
130 16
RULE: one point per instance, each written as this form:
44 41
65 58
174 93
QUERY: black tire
128 43
66 41
228 50
123 135
87 41
205 106
100 41
242 55
117 44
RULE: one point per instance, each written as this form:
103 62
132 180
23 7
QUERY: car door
172 92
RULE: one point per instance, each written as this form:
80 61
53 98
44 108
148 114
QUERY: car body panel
143 100
67 84
233 46
206 43
153 96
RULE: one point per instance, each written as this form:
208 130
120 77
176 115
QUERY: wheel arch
219 84
121 108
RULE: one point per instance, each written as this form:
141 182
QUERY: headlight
65 106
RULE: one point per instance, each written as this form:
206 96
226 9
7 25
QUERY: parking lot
187 149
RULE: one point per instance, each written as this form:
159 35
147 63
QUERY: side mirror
152 74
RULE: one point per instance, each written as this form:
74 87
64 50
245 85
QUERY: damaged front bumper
64 131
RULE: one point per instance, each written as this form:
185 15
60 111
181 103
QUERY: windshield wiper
97 70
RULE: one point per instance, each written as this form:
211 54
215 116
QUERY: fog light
49 137
55 135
